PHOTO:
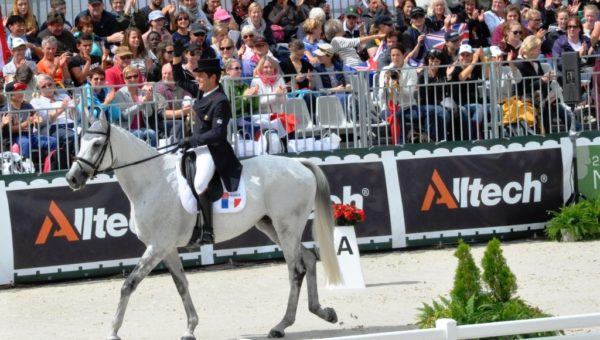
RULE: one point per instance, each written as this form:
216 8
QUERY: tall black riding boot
205 204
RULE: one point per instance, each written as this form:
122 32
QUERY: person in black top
105 23
212 112
466 74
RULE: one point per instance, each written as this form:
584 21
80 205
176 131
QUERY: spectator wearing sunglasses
135 106
512 36
246 47
198 37
181 27
243 95
227 50
114 75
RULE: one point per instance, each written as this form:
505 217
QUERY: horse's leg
296 270
310 261
148 261
174 265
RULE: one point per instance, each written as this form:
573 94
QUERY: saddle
213 192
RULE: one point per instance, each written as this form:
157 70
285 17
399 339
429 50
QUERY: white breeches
205 169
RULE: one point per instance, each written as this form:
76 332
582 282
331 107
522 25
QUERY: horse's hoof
113 337
330 315
276 334
188 337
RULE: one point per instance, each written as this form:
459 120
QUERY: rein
95 165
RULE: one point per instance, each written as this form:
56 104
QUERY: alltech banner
359 183
476 191
56 226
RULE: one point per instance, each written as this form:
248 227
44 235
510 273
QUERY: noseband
96 164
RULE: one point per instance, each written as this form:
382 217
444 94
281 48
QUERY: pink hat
221 15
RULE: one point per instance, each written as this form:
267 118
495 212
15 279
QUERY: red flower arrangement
347 214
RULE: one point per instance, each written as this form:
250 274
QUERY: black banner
463 192
57 226
363 183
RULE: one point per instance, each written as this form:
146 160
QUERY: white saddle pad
230 202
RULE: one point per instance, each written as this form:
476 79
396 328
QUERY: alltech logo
478 191
86 225
475 192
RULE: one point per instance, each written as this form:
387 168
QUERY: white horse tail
323 224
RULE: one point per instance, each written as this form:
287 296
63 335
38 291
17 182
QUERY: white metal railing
447 329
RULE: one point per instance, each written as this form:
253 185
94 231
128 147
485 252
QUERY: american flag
436 40
4 51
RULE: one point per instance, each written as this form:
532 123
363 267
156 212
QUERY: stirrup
207 238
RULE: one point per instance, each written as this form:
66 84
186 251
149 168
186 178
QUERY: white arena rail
447 329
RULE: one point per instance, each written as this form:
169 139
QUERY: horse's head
95 154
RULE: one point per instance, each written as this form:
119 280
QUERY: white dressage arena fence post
348 256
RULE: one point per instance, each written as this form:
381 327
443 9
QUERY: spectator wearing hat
346 48
105 24
168 10
114 75
25 122
381 25
19 47
198 37
466 75
330 72
353 26
196 13
191 54
413 39
15 25
256 21
158 23
209 135
222 18
450 49
180 26
65 39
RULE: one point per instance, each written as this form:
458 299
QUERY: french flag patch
230 200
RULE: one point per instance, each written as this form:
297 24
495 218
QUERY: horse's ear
102 117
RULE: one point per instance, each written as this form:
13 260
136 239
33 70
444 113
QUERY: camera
394 75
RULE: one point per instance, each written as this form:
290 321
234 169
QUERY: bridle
94 166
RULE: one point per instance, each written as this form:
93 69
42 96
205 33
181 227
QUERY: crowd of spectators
120 59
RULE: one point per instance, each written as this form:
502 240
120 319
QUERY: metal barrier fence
415 106
373 109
